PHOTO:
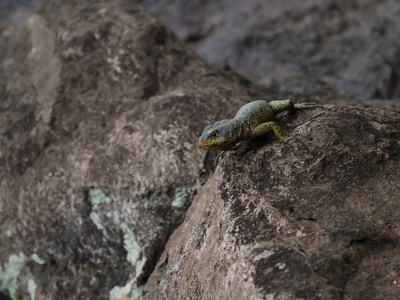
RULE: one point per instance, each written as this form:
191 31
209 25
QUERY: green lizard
251 121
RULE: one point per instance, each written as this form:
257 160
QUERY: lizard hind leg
266 127
281 105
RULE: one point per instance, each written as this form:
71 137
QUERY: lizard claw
286 139
304 105
216 161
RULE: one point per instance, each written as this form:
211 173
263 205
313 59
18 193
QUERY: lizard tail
304 104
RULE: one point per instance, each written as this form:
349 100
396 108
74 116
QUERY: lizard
252 120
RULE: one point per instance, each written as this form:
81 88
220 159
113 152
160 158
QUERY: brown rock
101 108
315 218
100 112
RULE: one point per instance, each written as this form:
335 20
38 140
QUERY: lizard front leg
266 127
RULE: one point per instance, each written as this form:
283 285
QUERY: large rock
350 47
315 218
100 111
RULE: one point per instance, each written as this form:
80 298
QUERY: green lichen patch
32 287
9 274
129 291
96 197
133 250
180 196
96 220
37 259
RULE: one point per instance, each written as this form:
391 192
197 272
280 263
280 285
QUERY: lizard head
217 135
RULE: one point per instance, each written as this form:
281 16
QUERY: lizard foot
216 161
286 139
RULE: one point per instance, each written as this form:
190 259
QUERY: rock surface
100 111
315 218
349 47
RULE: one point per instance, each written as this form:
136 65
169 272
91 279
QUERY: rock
101 107
315 218
348 47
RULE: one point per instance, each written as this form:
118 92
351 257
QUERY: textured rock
100 111
350 47
315 218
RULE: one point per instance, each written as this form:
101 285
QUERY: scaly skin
251 121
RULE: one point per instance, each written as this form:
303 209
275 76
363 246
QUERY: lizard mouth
203 143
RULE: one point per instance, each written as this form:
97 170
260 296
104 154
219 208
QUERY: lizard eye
214 134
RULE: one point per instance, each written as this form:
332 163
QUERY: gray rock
315 218
101 107
348 47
